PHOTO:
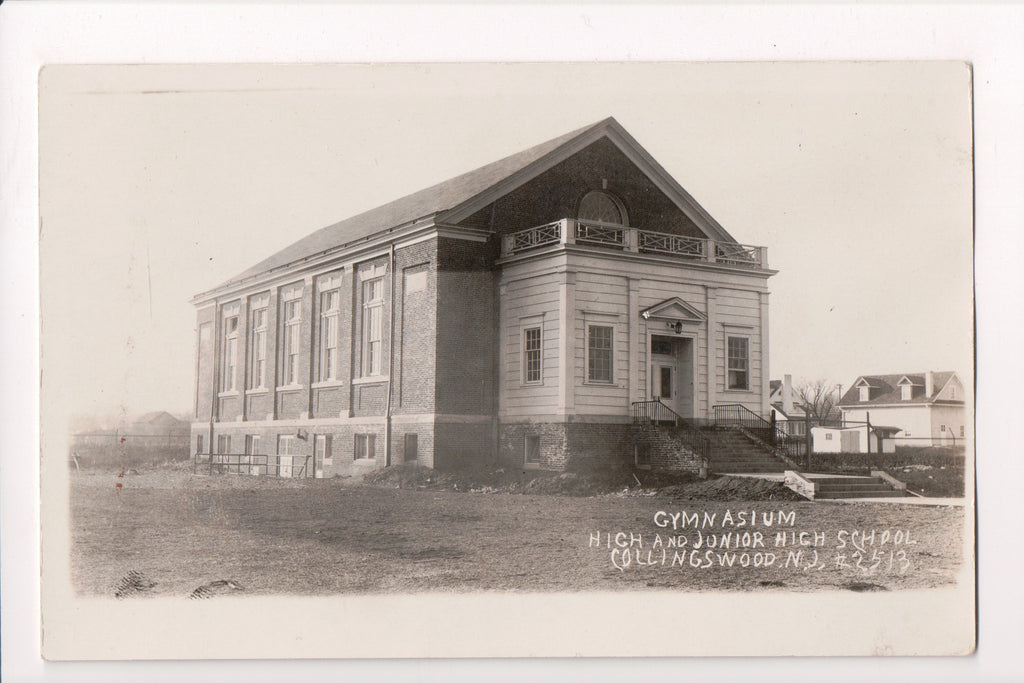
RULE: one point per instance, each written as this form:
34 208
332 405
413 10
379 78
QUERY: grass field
330 536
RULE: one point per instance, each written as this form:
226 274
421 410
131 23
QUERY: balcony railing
621 238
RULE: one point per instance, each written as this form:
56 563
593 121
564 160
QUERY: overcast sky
158 182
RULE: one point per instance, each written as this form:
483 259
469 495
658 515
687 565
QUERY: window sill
375 379
290 387
228 394
365 461
328 383
739 391
598 383
257 392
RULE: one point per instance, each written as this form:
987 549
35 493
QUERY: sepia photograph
517 333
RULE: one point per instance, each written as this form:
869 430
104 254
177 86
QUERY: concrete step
855 493
877 486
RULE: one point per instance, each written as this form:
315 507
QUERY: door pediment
673 309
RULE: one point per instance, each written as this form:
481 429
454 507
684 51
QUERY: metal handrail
738 415
655 412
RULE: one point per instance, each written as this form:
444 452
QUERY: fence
283 466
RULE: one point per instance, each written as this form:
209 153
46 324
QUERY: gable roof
454 199
888 389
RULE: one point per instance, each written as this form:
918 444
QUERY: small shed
853 439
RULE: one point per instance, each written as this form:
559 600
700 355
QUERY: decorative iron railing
737 254
594 233
550 233
657 413
769 432
676 245
599 233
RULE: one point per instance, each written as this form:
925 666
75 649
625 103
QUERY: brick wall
461 444
415 328
205 331
666 453
467 329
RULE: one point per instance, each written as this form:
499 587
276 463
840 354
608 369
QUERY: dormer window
906 392
865 393
602 207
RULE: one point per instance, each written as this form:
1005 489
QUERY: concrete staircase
733 452
855 487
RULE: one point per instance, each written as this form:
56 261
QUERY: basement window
642 456
532 447
366 447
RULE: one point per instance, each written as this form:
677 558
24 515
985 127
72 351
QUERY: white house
928 407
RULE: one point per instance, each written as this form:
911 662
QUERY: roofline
627 144
904 404
330 257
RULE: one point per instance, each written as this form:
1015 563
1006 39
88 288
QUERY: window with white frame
365 447
258 350
373 324
292 336
865 393
532 365
230 353
199 443
252 444
223 443
599 353
906 392
329 316
738 363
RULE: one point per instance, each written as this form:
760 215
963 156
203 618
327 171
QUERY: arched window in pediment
602 207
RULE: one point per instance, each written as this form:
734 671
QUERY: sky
159 182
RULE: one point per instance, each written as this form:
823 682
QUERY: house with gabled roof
928 407
527 311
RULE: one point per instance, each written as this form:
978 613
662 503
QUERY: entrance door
672 373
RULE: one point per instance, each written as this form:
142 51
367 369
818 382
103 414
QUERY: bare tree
819 399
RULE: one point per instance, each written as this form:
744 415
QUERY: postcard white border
988 36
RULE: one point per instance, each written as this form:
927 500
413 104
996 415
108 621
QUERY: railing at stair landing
737 415
655 412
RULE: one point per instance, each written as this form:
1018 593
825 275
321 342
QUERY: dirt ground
167 532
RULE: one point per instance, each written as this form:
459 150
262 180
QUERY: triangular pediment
673 309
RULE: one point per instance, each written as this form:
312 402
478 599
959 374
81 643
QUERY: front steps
732 452
855 487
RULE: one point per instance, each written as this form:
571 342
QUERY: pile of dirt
619 482
733 488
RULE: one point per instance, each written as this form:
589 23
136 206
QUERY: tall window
531 355
223 443
599 353
373 315
906 392
252 444
258 372
292 321
738 363
230 353
329 312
